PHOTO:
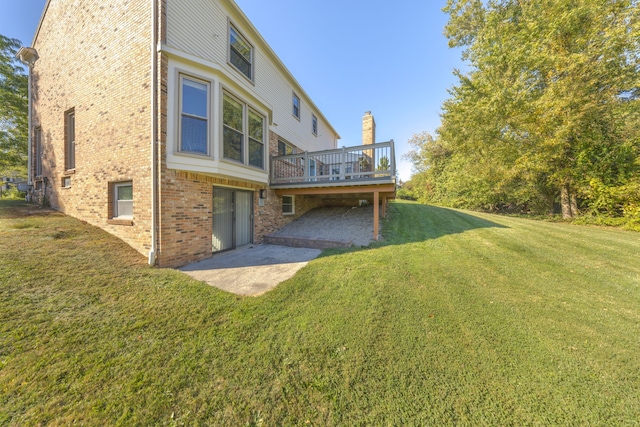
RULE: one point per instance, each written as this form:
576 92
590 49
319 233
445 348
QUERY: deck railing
373 162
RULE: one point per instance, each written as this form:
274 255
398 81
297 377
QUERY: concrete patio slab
252 269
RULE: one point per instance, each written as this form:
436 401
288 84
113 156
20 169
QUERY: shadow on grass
17 208
412 222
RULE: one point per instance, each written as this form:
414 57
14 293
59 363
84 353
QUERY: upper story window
243 134
70 139
296 106
233 135
314 125
240 53
256 139
194 115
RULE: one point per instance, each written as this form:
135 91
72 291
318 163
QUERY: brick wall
94 59
269 218
368 129
186 221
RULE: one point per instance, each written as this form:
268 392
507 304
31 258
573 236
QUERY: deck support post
384 206
376 214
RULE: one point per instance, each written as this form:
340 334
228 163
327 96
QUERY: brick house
167 124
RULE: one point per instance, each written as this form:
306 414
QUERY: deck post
384 206
376 213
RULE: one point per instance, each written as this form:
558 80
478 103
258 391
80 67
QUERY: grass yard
457 318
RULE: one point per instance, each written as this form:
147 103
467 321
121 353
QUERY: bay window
243 134
194 116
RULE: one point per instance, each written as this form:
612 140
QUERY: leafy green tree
383 164
14 106
549 105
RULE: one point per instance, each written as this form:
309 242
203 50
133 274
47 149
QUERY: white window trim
314 125
246 107
181 77
116 186
230 25
293 106
293 205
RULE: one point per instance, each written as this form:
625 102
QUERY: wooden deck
348 166
363 172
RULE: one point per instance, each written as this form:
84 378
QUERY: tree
383 164
14 106
550 103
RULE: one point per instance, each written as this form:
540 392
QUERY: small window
123 200
256 139
240 53
284 148
296 106
70 139
194 116
314 125
38 151
66 181
288 205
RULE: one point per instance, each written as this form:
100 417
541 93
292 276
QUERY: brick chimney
368 129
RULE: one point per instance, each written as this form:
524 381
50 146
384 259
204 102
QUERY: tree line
547 117
13 111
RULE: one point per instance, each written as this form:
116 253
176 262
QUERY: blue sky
387 57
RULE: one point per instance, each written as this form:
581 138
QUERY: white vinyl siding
198 31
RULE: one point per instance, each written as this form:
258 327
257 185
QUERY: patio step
306 242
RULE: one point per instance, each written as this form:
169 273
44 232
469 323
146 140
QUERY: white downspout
28 56
30 133
154 130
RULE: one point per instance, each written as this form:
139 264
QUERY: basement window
288 205
123 200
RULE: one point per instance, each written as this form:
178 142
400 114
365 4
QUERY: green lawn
458 318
